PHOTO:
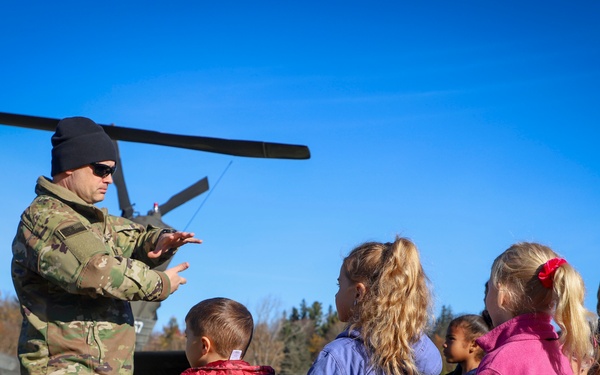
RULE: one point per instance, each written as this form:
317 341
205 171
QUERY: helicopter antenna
208 195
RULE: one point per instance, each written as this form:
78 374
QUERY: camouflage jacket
75 268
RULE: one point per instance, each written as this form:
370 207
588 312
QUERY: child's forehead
455 329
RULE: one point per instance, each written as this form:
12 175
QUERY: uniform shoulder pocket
80 241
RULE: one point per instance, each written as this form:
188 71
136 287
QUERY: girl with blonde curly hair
385 299
529 286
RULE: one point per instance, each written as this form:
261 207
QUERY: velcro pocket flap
81 242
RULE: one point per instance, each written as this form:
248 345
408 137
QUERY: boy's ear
206 345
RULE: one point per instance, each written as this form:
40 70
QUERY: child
589 365
460 346
218 332
384 297
529 286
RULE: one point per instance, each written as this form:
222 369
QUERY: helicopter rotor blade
180 198
31 122
235 147
119 181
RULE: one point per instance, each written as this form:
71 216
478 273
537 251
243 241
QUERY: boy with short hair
218 332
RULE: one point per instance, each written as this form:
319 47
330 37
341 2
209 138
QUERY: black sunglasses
102 170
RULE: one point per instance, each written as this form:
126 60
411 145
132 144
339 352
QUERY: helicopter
145 312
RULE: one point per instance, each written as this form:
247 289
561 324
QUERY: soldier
75 267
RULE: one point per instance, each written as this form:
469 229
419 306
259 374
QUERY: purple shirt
346 355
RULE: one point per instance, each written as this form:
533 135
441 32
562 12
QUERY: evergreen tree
295 315
171 338
303 309
443 321
296 357
315 313
305 333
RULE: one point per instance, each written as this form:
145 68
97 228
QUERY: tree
443 321
10 324
267 347
290 344
315 313
331 326
171 338
295 336
304 334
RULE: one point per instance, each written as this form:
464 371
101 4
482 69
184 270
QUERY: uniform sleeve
326 364
136 241
121 278
77 260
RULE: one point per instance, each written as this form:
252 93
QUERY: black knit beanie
79 141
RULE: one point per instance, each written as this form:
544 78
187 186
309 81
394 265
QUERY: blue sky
465 126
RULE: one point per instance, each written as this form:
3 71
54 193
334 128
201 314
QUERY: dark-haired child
460 346
218 332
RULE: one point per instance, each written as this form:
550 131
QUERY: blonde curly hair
396 307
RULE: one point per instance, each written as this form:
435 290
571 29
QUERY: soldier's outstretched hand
172 241
173 274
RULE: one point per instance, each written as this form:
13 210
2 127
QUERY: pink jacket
525 345
229 368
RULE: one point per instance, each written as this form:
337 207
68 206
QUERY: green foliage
171 338
304 333
443 321
10 324
296 357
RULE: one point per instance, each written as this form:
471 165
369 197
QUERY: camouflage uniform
75 268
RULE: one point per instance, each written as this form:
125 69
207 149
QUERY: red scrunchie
546 275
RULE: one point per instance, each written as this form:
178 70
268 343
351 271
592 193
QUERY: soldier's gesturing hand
173 274
173 240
